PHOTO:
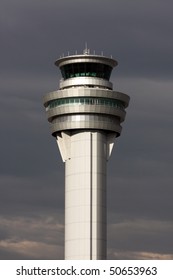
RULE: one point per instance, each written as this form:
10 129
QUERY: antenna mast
86 50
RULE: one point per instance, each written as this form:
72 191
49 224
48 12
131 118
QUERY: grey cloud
33 35
135 255
27 250
28 196
142 236
142 25
29 238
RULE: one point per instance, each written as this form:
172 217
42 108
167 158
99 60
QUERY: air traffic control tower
85 116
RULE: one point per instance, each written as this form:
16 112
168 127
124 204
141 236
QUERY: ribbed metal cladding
81 81
81 91
77 108
57 127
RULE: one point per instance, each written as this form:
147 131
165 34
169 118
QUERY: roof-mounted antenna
86 50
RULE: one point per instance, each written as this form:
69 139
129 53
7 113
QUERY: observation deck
86 99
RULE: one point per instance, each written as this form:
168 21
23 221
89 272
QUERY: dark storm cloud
30 195
141 31
132 236
30 237
143 160
139 35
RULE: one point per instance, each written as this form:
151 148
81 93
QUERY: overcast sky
33 34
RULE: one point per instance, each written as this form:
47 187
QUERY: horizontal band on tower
85 122
86 101
86 92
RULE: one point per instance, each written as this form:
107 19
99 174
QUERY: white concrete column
85 194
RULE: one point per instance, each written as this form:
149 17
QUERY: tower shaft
85 154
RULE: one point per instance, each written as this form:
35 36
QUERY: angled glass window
86 69
82 101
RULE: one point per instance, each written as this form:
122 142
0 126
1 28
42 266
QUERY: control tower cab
86 99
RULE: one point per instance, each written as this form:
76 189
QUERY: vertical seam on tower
91 195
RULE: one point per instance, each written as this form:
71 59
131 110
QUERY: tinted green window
86 69
87 101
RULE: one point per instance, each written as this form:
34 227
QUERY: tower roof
86 57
